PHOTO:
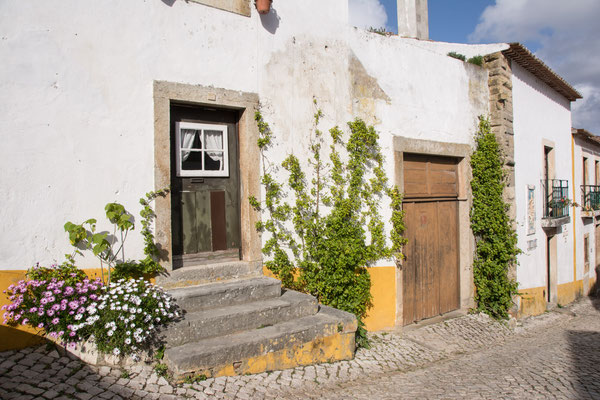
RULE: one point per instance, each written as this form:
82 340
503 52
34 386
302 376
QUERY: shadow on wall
270 21
585 356
14 339
169 2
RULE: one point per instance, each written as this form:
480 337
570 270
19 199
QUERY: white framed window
201 149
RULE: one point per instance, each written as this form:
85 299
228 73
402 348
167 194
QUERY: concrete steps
228 293
325 336
210 273
255 315
236 321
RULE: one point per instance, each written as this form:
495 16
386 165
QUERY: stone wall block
501 118
491 57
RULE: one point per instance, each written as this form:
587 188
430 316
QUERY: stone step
222 294
227 320
323 337
210 273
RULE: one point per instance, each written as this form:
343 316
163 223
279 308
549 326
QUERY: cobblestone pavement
556 355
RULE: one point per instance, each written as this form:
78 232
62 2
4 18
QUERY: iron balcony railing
591 197
557 198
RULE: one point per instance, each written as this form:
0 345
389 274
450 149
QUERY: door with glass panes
205 185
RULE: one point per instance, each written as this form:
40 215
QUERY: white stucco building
94 109
586 178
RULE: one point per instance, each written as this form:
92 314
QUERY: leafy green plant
322 242
84 237
159 353
161 369
496 240
458 56
191 379
477 60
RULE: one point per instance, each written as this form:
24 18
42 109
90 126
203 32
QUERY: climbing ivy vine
496 240
322 241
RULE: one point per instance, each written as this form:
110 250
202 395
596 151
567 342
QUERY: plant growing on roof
458 56
323 241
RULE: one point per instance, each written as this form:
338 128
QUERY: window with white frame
201 150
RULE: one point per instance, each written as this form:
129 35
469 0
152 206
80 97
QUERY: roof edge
522 56
585 135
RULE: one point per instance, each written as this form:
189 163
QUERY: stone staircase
237 321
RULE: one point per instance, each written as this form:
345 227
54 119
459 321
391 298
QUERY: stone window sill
590 214
555 222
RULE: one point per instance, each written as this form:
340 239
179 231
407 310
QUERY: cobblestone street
555 355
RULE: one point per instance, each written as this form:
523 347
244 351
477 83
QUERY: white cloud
567 33
367 13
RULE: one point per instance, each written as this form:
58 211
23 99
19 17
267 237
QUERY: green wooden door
205 185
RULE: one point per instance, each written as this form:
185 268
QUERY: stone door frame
246 104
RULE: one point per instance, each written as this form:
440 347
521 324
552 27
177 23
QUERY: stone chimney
413 19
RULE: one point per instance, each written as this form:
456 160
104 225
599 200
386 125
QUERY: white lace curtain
187 139
214 141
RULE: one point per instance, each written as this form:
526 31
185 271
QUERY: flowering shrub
130 311
57 306
121 318
67 272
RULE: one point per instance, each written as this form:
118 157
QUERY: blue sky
449 20
564 34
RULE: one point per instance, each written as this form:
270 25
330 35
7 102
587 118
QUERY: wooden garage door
430 272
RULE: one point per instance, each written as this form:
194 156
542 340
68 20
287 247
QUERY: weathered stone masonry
501 118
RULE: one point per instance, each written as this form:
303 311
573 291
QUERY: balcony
590 195
556 203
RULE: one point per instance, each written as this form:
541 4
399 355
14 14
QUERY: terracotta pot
263 6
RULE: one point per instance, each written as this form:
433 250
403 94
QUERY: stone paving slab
416 363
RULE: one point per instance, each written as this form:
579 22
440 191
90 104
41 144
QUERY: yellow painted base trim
533 301
336 347
569 292
383 289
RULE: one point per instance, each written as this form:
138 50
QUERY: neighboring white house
543 183
586 192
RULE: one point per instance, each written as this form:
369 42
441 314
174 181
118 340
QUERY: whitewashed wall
76 107
76 86
422 94
432 96
539 113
